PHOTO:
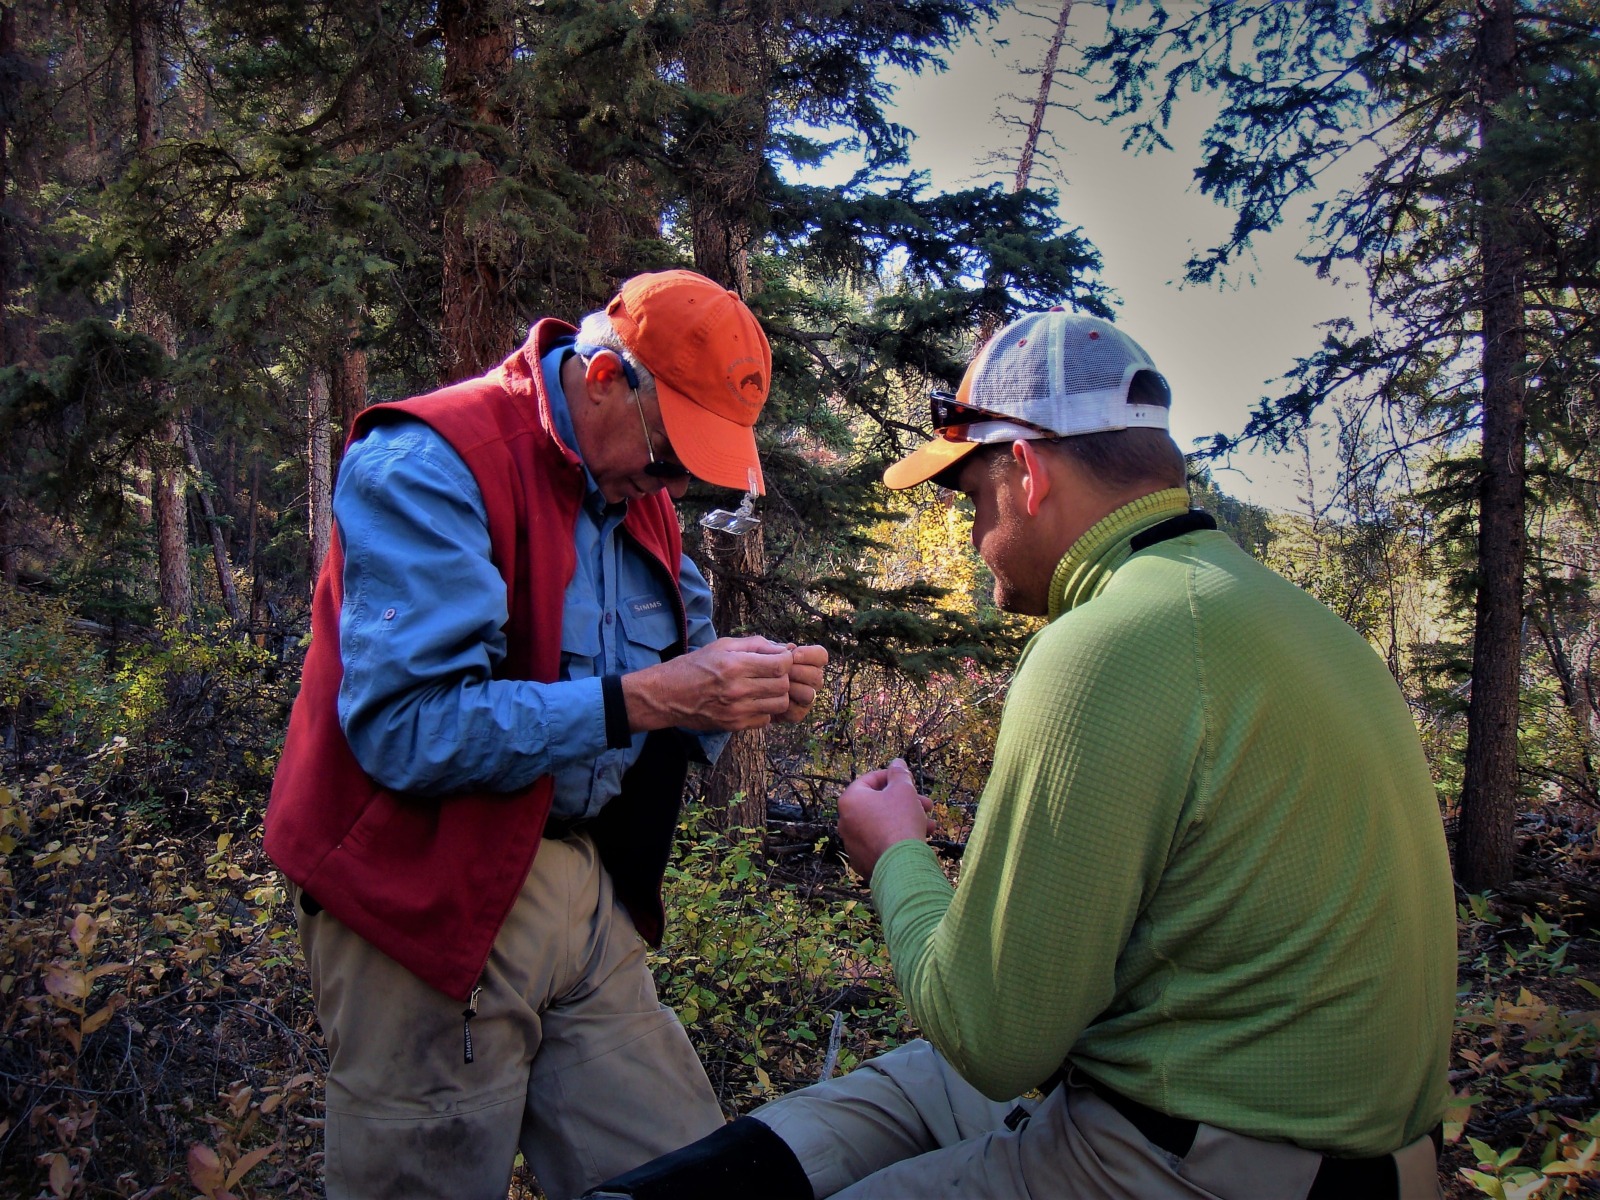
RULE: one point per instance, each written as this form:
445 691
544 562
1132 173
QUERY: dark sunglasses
951 417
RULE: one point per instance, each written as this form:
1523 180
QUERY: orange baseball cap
712 366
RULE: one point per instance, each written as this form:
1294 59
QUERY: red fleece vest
430 880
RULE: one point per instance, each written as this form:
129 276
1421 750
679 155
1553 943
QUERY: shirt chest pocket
650 624
580 639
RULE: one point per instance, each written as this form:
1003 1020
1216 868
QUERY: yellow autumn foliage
932 545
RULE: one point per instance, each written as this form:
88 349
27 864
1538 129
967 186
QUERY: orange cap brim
714 448
926 461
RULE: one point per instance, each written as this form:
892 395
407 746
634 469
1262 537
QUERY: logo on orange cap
712 366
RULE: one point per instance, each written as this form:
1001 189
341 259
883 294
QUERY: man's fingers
751 644
811 656
811 677
875 780
759 664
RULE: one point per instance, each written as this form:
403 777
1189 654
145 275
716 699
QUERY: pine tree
1473 229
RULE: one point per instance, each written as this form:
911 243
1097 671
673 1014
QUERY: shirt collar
1090 562
561 417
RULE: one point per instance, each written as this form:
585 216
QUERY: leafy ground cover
158 1037
156 1031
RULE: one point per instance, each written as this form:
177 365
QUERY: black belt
562 828
1337 1178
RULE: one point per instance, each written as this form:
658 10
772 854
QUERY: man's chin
1006 601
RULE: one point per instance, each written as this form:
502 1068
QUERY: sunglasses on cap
950 417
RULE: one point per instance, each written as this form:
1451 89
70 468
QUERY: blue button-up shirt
421 631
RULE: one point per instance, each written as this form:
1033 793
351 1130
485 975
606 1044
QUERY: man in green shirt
1206 907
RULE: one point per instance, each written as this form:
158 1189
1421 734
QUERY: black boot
737 1162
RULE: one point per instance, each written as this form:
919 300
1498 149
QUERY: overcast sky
1218 348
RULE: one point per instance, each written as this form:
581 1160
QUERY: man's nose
676 488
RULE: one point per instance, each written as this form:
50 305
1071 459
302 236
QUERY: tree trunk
1041 102
1486 845
143 37
989 324
8 105
251 565
168 489
219 548
349 390
319 472
724 58
10 535
167 467
78 67
1580 714
736 788
476 328
349 376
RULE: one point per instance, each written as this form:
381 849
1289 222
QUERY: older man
1206 906
511 665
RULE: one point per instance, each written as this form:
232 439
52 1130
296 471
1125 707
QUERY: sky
1218 348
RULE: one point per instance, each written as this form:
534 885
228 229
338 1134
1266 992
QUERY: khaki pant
575 1061
906 1125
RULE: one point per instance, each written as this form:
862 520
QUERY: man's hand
733 683
879 809
805 680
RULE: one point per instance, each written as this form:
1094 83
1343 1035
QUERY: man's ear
603 372
1035 474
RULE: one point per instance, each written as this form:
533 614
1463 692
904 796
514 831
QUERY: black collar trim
1189 522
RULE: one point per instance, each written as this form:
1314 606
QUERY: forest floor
157 1036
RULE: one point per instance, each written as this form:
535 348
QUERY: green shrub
755 969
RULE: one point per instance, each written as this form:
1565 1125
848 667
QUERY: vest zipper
470 1011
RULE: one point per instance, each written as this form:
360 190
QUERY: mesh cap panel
1065 372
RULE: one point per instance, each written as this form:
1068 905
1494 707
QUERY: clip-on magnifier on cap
740 521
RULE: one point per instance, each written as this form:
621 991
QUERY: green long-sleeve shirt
1208 863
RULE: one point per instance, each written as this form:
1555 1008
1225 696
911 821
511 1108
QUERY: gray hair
597 330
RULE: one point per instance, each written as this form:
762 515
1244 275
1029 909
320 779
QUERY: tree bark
1486 845
348 391
143 37
167 486
78 65
9 537
1580 714
1041 102
219 548
319 472
736 788
8 105
989 324
477 327
250 551
724 58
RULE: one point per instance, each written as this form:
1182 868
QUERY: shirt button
608 618
388 614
